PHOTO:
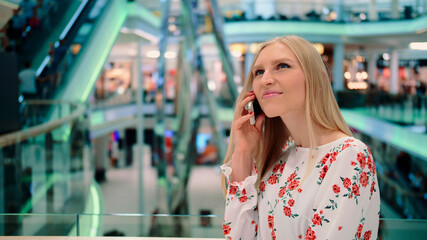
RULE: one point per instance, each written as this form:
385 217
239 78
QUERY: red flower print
339 228
310 235
300 236
291 202
367 235
361 159
325 158
336 189
282 167
374 169
359 231
287 211
243 199
324 171
282 192
226 229
299 190
273 235
291 177
369 161
334 156
233 190
294 184
256 228
270 221
355 190
364 179
321 211
353 163
276 168
255 170
262 186
347 182
345 146
252 222
244 191
272 179
372 187
317 220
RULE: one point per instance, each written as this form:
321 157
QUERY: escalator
89 45
34 43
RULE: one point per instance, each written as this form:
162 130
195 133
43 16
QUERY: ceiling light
319 47
386 56
153 54
236 54
347 75
170 54
418 45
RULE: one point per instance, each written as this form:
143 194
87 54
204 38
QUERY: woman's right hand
246 137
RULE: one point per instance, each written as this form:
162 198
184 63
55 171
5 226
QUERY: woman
297 173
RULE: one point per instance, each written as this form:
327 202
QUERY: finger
249 93
259 120
246 100
244 119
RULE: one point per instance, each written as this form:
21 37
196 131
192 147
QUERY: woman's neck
298 129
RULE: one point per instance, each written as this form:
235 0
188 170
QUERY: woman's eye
283 65
259 72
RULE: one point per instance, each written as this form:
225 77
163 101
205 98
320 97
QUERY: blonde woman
297 172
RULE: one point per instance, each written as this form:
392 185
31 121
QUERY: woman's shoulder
353 145
351 150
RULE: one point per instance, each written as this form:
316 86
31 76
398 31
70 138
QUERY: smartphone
253 106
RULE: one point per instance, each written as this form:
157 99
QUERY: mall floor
120 193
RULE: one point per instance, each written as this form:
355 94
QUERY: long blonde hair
321 107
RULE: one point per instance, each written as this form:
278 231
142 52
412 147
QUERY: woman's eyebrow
256 67
274 62
280 60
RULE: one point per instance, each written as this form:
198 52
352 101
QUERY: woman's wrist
241 163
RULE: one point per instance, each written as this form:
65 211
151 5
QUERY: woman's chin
271 114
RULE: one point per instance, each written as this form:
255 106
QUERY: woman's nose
267 78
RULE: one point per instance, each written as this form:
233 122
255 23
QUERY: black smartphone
256 108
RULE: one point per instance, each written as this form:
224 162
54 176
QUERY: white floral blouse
338 200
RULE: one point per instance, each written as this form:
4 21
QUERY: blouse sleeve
241 213
348 202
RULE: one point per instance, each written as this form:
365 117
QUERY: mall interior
116 114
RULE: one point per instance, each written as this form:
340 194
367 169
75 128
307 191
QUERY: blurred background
115 114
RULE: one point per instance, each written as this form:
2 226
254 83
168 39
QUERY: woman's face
279 81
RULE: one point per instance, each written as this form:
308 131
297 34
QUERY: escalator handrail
65 34
22 135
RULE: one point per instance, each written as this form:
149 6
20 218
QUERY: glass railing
400 176
116 99
157 225
328 11
406 110
46 164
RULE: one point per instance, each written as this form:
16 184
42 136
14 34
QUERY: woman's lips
270 94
